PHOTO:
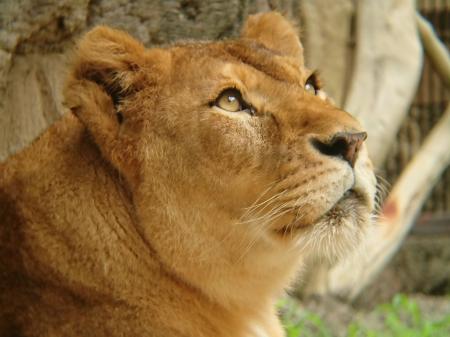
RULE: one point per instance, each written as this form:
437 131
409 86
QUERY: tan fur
147 211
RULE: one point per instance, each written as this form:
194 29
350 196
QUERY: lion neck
96 250
109 246
127 245
204 245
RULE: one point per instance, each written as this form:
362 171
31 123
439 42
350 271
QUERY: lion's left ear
111 59
109 66
275 32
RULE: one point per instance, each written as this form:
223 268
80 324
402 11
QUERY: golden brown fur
148 211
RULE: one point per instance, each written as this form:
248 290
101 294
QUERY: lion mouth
346 207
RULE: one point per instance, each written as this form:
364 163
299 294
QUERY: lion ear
275 32
110 58
108 66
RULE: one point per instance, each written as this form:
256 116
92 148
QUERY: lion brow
262 59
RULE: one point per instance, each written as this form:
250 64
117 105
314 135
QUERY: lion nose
343 145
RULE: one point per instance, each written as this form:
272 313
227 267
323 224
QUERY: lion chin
182 190
334 235
337 232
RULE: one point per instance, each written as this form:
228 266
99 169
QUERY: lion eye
310 88
231 100
312 85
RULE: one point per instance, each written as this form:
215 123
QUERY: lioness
181 193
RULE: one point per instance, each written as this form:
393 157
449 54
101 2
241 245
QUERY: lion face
257 136
235 159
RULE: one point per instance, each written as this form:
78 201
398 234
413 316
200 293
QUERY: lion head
237 163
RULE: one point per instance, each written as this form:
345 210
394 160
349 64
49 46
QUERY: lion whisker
266 203
261 229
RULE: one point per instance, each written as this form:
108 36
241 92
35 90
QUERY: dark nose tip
343 145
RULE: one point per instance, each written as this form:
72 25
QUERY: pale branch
407 195
386 72
328 47
387 69
398 214
435 49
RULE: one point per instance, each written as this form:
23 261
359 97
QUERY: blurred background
379 60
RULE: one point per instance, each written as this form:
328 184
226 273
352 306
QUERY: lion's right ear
275 32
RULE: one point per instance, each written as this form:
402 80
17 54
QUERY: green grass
400 318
